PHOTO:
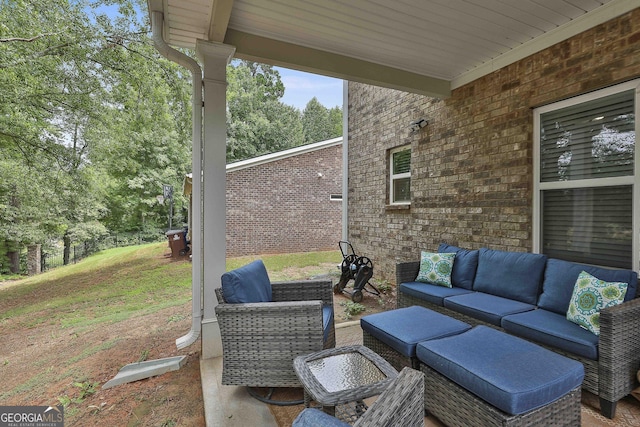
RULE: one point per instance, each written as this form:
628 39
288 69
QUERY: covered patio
431 49
233 406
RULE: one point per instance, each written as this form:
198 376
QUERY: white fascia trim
243 164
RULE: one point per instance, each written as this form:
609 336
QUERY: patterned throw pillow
590 295
435 268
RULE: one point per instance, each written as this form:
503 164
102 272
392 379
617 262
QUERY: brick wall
471 167
283 205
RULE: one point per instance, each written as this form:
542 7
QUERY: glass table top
345 371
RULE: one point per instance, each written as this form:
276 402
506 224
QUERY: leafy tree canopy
321 123
259 123
93 120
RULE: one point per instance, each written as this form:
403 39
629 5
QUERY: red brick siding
283 206
472 166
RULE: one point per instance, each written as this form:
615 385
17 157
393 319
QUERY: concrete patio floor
230 406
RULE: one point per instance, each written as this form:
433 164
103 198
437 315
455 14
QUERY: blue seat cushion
312 417
513 275
249 283
560 278
434 294
512 374
403 328
553 329
327 320
464 266
485 307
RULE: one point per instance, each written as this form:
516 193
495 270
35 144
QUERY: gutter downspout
157 23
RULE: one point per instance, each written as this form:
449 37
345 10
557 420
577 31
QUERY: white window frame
393 177
633 180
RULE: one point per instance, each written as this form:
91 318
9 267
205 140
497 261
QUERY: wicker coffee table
342 377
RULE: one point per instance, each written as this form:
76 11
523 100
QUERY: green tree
335 121
92 121
147 143
42 91
320 123
257 122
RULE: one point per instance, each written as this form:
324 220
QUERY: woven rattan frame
457 407
260 340
388 353
611 377
401 404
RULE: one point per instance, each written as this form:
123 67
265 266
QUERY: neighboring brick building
472 170
281 202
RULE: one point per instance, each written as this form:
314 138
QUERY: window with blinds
589 225
586 177
400 176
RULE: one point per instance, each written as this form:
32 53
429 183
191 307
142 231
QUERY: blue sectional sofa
528 295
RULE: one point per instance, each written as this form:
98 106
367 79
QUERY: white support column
214 57
345 160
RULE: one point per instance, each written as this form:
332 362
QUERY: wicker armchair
260 340
401 404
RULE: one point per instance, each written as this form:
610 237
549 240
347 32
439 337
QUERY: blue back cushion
560 278
513 275
464 266
249 283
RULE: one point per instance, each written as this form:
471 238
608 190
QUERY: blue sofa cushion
312 417
249 283
560 278
486 307
327 320
432 293
464 267
403 328
553 329
510 373
513 275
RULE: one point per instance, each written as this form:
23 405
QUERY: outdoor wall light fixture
418 124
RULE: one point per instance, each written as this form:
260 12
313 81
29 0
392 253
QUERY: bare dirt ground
47 365
63 365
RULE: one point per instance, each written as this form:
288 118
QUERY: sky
301 87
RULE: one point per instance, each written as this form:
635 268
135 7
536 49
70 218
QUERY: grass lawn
68 331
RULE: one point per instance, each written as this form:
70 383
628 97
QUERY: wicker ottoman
486 377
394 334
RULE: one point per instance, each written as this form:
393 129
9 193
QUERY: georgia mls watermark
31 416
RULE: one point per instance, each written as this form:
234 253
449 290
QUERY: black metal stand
267 399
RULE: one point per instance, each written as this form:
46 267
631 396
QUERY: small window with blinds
585 178
400 176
